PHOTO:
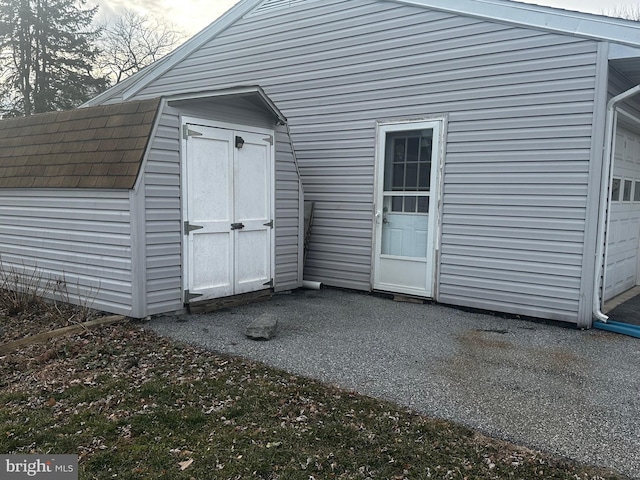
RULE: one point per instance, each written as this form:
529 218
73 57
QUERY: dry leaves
186 464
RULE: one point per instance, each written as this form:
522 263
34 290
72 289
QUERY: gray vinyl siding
520 103
236 111
289 219
162 217
81 236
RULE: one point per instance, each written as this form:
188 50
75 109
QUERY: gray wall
162 218
289 221
83 236
520 105
162 200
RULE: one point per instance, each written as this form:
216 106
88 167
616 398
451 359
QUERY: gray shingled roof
95 147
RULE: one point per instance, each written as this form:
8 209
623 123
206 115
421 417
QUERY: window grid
626 190
411 172
615 189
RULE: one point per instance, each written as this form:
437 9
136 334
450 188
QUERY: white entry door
406 207
228 211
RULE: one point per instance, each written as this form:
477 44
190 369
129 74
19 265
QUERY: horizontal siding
231 110
163 220
83 236
519 105
288 271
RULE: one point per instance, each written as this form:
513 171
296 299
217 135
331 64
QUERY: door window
407 183
408 169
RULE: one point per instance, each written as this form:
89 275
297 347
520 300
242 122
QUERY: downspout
605 199
301 233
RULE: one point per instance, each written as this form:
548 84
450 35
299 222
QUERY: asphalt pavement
561 390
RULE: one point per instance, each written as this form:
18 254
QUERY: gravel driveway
571 392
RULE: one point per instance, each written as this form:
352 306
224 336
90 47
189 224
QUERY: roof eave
586 25
255 90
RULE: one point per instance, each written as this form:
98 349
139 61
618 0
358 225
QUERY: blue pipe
617 327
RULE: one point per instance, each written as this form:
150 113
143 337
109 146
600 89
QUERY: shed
482 153
147 205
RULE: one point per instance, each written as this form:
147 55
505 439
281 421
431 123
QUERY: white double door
408 161
228 192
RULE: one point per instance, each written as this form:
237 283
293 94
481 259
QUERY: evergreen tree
47 55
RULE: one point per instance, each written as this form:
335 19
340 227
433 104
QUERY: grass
133 405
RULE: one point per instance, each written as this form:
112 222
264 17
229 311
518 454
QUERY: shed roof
96 147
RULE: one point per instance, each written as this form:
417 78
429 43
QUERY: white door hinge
187 132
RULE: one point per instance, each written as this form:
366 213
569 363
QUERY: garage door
624 229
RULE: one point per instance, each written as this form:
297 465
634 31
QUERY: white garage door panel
624 226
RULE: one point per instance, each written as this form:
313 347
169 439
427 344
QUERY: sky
191 16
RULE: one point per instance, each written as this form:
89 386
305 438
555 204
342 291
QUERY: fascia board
618 52
595 27
256 90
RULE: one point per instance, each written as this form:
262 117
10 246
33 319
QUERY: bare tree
625 11
133 41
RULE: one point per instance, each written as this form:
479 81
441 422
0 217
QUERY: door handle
237 226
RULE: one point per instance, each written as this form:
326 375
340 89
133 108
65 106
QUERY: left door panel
209 195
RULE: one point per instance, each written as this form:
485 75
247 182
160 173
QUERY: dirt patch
42 317
27 324
476 339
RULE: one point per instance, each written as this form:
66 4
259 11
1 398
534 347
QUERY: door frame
438 124
188 120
